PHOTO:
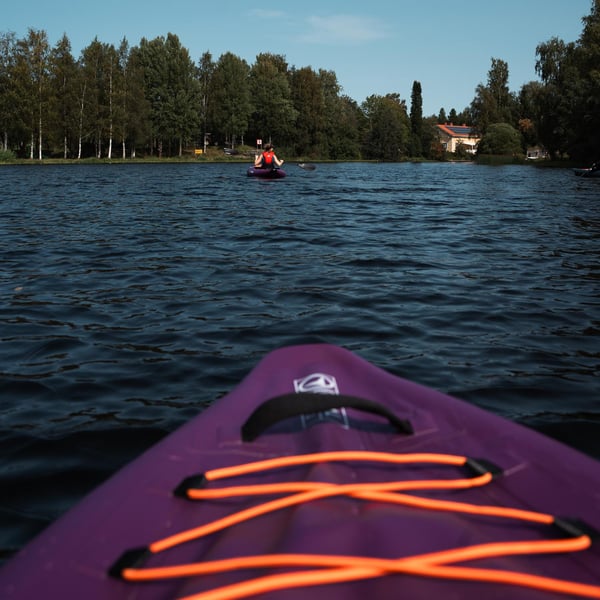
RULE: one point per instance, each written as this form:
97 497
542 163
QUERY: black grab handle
293 405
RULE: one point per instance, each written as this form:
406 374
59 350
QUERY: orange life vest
268 158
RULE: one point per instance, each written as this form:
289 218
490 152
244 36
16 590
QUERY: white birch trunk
110 114
81 123
40 139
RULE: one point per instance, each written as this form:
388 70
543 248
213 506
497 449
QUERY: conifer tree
416 120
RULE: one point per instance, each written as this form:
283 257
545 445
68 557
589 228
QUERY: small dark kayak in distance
587 172
323 476
266 173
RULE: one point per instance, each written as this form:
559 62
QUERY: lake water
132 296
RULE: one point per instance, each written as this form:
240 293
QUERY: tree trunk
40 138
81 123
110 114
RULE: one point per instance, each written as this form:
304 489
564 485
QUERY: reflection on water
133 296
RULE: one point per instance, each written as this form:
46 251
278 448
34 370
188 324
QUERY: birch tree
8 97
32 68
206 69
109 85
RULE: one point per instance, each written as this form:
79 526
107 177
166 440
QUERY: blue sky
374 47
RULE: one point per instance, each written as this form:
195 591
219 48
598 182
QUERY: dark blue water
133 296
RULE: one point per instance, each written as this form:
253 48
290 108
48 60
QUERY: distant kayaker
268 159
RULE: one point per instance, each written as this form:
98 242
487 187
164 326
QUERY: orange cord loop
327 569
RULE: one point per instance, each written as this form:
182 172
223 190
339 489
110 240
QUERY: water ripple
133 296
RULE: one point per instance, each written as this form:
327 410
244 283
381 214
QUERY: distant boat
590 172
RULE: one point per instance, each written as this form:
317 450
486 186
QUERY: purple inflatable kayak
322 476
266 173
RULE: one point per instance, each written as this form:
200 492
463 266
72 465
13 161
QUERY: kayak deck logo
321 383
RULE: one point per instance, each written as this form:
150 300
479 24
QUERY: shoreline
495 161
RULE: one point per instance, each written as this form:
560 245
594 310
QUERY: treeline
561 112
154 100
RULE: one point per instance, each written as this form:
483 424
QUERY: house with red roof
451 136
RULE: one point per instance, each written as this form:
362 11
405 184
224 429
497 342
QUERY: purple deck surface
70 559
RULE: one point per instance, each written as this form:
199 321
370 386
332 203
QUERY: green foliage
7 155
461 152
432 148
274 113
499 159
344 140
114 100
389 128
500 138
307 95
173 91
494 103
230 90
63 103
568 102
9 105
416 121
30 82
